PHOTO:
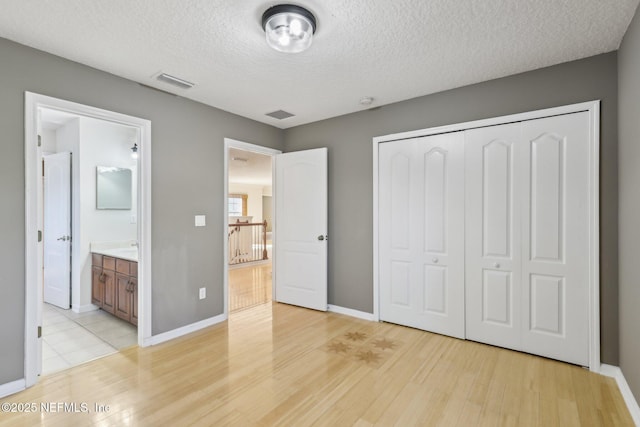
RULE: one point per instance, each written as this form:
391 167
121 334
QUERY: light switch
201 221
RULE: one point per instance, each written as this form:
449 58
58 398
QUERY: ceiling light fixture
134 151
289 28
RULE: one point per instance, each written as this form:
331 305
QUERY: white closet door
493 221
527 231
555 236
421 229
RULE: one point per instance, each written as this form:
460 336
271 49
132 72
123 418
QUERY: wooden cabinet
103 282
114 286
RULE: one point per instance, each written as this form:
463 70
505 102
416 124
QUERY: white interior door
57 229
301 228
494 189
555 237
421 233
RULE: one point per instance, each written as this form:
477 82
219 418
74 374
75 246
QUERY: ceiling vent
280 114
175 81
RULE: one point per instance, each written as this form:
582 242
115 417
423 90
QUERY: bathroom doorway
88 203
249 223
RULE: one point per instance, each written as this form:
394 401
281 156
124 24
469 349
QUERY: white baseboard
166 336
12 387
350 312
83 308
632 404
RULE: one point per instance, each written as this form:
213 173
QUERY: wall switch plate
201 221
203 293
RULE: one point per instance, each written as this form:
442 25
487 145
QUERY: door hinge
39 141
39 331
39 235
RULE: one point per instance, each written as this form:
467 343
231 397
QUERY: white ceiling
391 50
54 119
256 170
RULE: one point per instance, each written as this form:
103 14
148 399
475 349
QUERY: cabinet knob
435 260
496 265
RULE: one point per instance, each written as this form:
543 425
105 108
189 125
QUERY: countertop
130 253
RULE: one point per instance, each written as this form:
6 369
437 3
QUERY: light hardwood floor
276 364
249 286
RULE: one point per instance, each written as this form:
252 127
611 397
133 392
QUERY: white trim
593 108
493 121
351 312
233 143
83 308
185 330
12 387
632 404
33 263
376 240
594 237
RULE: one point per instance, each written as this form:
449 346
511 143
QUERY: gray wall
187 140
349 139
629 176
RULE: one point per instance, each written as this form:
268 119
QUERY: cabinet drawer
122 266
96 260
108 263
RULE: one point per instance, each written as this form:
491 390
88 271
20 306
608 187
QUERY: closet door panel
441 255
555 233
421 232
492 240
497 304
435 164
547 183
396 170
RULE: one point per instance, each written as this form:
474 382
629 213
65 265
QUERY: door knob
496 265
321 237
434 260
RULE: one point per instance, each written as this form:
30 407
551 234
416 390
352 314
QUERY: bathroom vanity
114 283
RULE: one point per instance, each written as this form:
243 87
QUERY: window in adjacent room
237 205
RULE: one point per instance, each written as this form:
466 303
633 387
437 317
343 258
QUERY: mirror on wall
113 188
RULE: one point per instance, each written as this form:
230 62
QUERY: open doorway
89 211
87 203
249 225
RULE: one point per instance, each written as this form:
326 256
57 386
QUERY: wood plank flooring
249 286
281 365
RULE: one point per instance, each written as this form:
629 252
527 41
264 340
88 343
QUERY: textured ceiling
391 50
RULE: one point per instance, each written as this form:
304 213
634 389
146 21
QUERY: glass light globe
288 31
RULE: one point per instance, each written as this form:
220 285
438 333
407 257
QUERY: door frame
33 189
272 152
591 107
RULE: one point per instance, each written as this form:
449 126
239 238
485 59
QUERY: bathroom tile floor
70 339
